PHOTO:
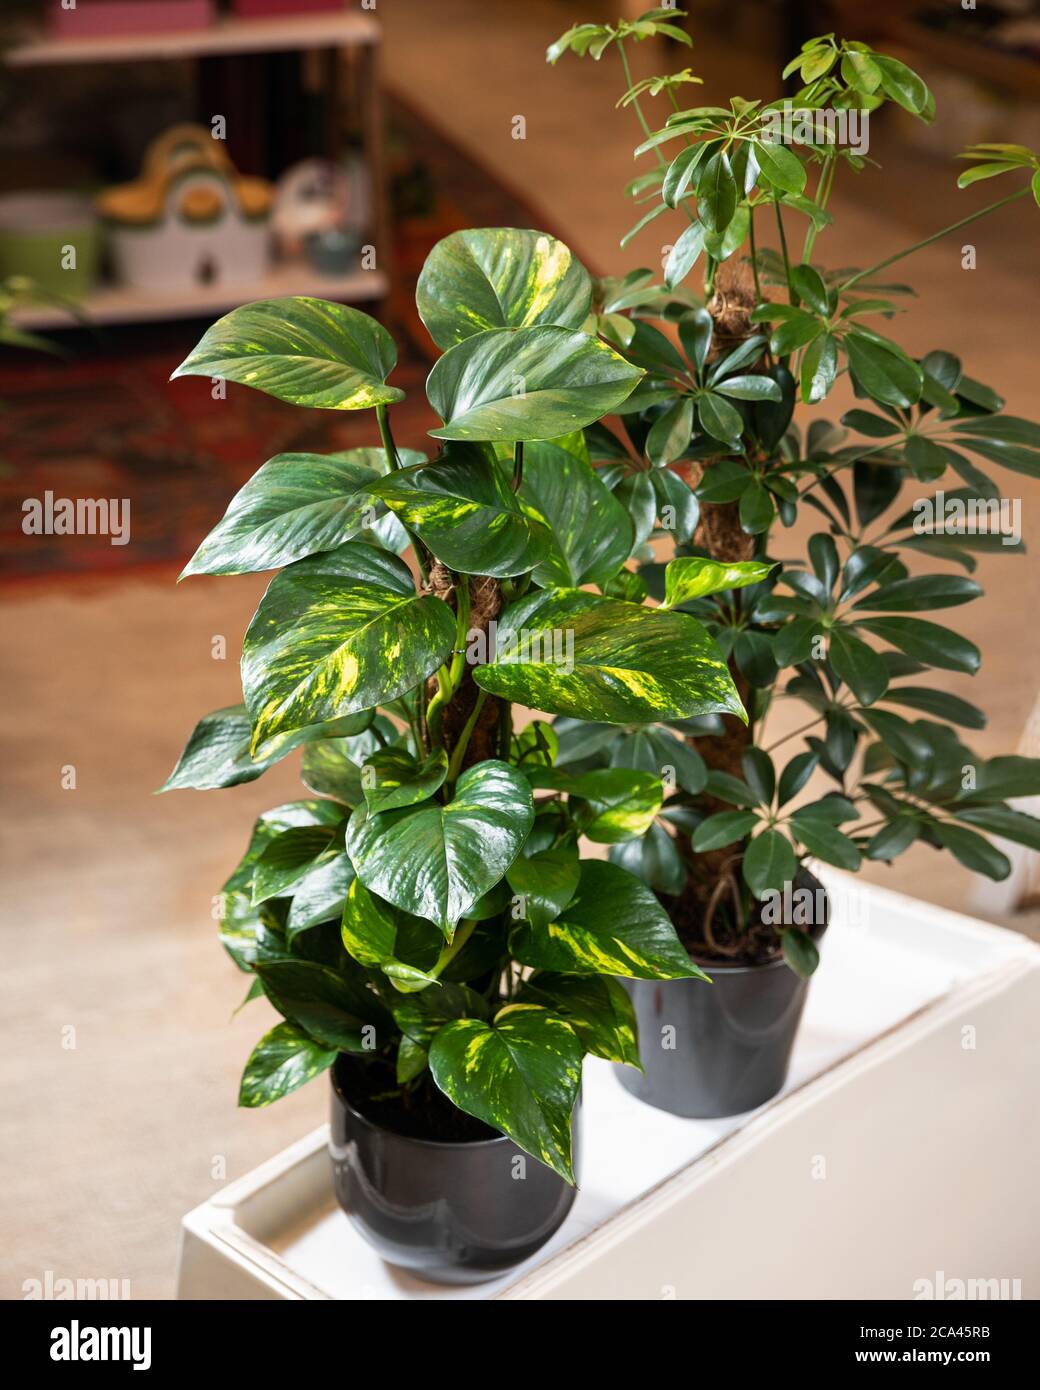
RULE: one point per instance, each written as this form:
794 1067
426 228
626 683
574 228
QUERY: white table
906 1143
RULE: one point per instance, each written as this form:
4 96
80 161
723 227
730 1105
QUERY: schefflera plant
876 763
422 909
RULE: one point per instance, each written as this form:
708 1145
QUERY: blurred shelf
333 29
120 304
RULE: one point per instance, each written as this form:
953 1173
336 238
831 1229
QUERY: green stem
791 294
794 733
936 236
449 679
823 193
393 463
459 751
661 161
518 464
754 254
450 951
462 608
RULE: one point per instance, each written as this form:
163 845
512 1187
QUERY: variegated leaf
613 925
437 861
592 533
520 1074
382 937
295 505
571 652
217 754
242 931
462 509
597 1008
338 633
500 277
282 1060
305 351
692 576
392 778
526 383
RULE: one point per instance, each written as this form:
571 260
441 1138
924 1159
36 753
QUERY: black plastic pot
454 1213
732 1040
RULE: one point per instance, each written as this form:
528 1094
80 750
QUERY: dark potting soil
757 944
419 1112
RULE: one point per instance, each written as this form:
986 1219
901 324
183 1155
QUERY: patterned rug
105 421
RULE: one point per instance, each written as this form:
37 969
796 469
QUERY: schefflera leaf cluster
424 908
737 344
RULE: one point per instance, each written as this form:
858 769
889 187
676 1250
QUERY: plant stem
792 296
459 751
754 254
518 464
794 733
919 245
449 679
458 658
823 193
450 951
393 463
661 161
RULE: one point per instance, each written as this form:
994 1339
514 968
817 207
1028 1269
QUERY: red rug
106 422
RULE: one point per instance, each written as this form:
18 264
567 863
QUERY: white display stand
902 1153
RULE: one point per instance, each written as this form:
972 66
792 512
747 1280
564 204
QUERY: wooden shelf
119 304
334 29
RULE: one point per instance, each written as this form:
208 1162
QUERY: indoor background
107 889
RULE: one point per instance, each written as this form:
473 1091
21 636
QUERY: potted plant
426 927
876 763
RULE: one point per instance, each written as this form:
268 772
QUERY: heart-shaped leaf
305 351
289 856
520 1074
572 652
217 754
338 633
613 925
597 1008
282 1060
545 882
500 277
435 860
392 778
380 936
319 896
462 509
526 383
293 506
591 536
613 804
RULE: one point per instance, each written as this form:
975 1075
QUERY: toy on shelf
321 210
190 218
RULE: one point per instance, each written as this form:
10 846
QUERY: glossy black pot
454 1213
718 1049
